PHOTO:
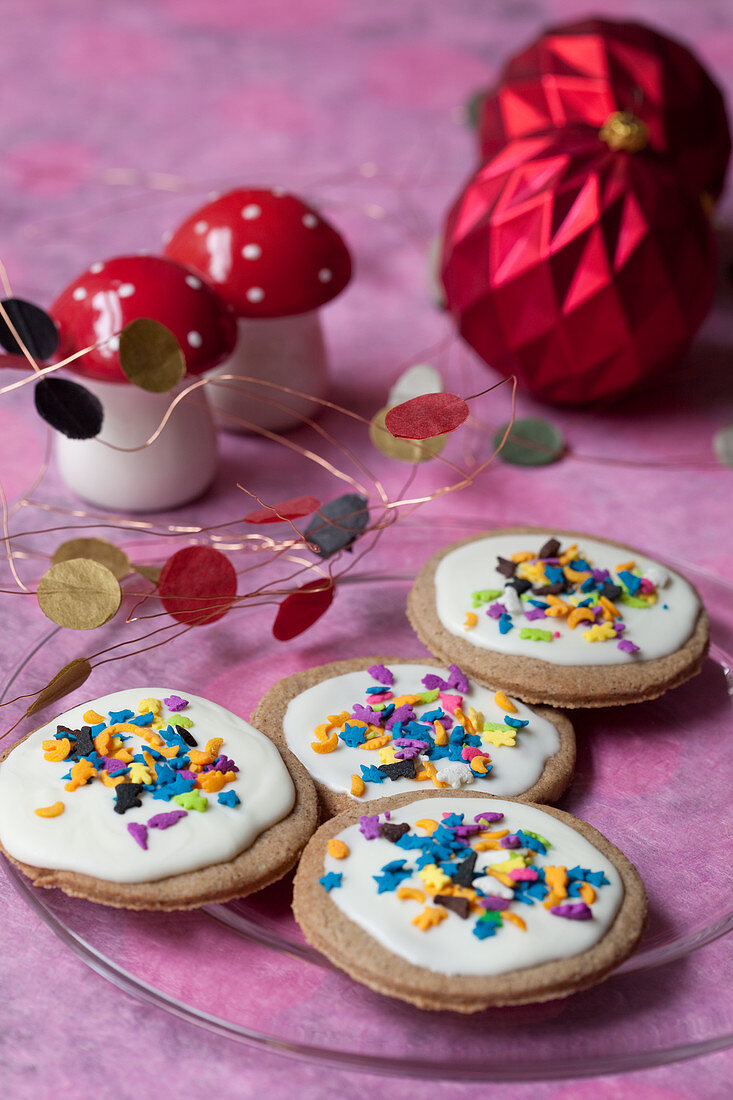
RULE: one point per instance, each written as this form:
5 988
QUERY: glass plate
653 777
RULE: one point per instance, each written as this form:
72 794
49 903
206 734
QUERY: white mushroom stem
286 351
176 468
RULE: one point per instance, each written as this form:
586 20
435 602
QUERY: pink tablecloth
117 120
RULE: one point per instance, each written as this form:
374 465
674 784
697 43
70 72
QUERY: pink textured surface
105 104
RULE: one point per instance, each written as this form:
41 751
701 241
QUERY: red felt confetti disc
288 509
426 416
302 608
197 585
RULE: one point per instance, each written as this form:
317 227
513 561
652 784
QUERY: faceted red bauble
579 269
581 72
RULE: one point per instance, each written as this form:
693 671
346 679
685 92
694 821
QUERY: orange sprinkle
357 786
151 763
401 700
213 747
198 756
338 719
486 845
108 780
523 555
501 876
429 917
580 615
626 567
377 742
464 720
410 893
81 773
557 879
576 576
211 781
587 893
569 554
326 746
471 620
502 700
321 732
123 754
441 737
102 742
56 750
337 848
50 811
480 764
610 611
427 824
506 915
92 718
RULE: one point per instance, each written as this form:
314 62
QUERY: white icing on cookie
451 947
515 769
656 630
91 838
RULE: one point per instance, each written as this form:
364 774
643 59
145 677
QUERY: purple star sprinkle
510 842
174 702
381 674
409 752
627 646
164 821
535 613
113 766
577 911
489 815
369 826
405 713
492 901
457 679
431 682
186 774
224 764
495 610
366 714
139 834
600 575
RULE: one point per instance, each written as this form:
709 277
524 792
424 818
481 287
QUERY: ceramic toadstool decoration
181 462
275 261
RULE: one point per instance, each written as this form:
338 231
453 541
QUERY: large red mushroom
93 310
275 261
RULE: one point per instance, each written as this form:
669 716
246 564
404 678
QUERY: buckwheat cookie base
536 681
352 949
269 714
274 852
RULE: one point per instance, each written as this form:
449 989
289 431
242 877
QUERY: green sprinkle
497 727
490 917
191 800
377 706
484 595
534 635
428 696
181 720
633 601
538 836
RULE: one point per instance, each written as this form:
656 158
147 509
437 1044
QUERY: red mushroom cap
266 252
112 294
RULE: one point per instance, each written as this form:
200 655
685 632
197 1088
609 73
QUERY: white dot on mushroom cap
167 236
96 268
113 343
194 339
193 282
251 252
325 275
126 290
255 294
310 220
249 213
200 227
79 294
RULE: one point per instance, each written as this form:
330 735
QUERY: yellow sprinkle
500 737
600 632
145 706
357 786
508 865
50 811
432 773
433 878
569 554
506 915
464 721
523 555
405 892
429 917
92 719
576 576
502 700
471 620
441 737
427 824
326 746
138 773
533 573
477 718
387 754
337 848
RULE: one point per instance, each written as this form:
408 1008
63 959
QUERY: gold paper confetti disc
80 594
405 450
66 680
150 356
150 572
100 550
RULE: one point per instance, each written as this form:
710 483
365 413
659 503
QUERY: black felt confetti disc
34 327
338 524
69 408
531 442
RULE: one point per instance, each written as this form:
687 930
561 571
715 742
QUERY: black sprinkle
611 591
550 550
126 796
464 872
69 408
187 736
71 734
549 589
34 327
393 830
458 905
506 568
401 769
84 741
519 584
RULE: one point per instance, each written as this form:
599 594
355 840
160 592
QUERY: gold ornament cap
623 131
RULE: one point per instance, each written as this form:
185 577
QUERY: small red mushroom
181 461
275 261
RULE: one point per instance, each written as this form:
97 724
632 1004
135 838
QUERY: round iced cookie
373 726
463 901
153 798
560 617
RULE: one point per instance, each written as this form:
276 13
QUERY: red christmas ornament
576 267
582 72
